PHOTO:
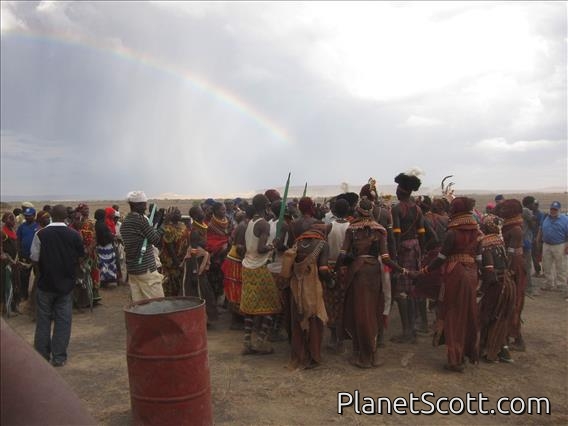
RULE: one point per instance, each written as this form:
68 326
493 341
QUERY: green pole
145 243
282 207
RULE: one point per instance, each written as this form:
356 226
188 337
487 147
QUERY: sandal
248 350
354 361
263 349
489 361
456 368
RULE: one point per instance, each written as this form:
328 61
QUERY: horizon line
7 198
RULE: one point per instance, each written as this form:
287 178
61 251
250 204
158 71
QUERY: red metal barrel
168 365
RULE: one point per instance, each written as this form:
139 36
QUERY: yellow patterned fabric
233 254
174 232
260 295
178 235
461 257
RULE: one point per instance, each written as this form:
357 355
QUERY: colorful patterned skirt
107 263
260 295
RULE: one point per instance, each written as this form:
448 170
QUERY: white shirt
329 217
335 238
253 259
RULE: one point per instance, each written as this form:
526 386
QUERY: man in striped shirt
138 236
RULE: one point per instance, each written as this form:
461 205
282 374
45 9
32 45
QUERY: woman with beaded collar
511 211
498 292
219 229
365 240
458 314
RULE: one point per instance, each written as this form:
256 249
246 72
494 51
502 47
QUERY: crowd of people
287 269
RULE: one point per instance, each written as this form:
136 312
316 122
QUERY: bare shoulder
261 227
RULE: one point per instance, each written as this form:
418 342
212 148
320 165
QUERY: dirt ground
261 390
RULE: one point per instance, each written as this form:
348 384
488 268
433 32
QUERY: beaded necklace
463 221
491 240
199 225
517 220
219 225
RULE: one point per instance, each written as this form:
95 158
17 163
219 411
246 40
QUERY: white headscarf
136 197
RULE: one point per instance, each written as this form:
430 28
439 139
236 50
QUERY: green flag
282 207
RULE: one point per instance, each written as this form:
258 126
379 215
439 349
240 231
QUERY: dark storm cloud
140 121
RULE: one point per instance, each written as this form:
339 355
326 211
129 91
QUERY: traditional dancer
498 293
458 314
259 295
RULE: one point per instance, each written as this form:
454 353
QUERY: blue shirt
554 230
539 217
25 233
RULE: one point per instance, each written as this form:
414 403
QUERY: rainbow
224 96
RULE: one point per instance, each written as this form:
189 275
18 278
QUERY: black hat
407 182
351 197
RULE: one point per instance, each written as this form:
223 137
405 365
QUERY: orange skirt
233 279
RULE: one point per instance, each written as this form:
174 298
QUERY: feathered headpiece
447 191
409 181
369 190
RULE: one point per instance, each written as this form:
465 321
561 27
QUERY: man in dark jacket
55 251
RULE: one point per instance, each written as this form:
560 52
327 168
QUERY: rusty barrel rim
129 309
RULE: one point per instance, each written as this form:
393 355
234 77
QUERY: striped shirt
134 230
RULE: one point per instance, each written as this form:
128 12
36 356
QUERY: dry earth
261 390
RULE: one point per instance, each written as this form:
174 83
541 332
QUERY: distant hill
315 191
185 202
38 197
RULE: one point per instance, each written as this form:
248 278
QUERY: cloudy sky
214 98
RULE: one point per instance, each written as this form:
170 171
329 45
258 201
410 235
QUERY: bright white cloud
9 21
383 51
47 6
418 121
197 9
501 145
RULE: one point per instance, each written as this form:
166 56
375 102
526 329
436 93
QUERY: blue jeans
58 307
